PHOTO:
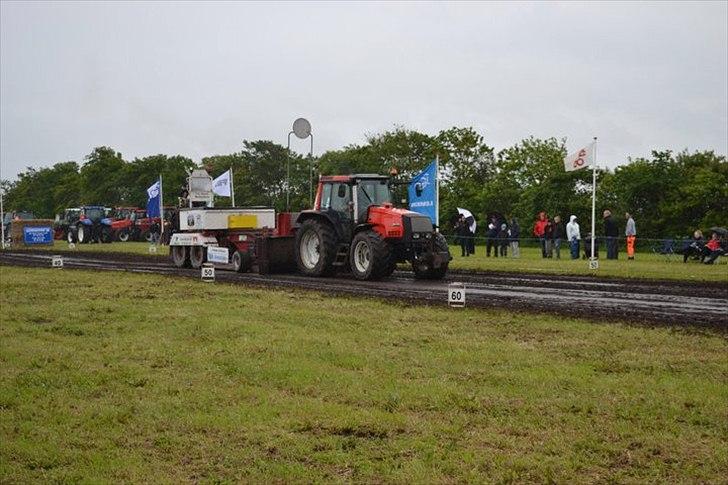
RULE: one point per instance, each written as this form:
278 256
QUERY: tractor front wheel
198 256
123 235
370 256
315 248
84 234
180 256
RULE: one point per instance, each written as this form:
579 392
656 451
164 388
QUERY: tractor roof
349 178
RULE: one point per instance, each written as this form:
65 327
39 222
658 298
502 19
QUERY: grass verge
121 377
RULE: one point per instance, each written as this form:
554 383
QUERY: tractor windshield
95 213
372 192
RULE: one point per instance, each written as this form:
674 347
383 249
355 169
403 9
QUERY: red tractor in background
354 224
123 222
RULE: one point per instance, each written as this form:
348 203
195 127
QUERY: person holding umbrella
470 226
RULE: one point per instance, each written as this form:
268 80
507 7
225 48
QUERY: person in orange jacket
631 232
539 230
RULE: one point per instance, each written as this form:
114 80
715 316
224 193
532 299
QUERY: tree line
669 194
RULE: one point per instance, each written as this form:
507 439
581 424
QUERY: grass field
646 265
131 378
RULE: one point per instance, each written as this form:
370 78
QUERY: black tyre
148 236
425 271
370 256
72 235
315 248
124 235
84 234
180 256
198 255
242 261
107 235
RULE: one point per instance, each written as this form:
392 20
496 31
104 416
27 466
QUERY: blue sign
422 192
38 235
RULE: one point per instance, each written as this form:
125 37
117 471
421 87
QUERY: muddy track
693 305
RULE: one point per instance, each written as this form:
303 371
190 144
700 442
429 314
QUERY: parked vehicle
353 225
64 221
123 223
92 226
11 216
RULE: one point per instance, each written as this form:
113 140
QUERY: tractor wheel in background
71 235
123 235
180 256
242 261
147 236
83 233
424 271
106 235
370 256
315 248
198 255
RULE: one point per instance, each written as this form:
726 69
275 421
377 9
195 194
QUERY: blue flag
153 199
422 192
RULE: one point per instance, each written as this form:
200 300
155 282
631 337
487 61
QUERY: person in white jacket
574 236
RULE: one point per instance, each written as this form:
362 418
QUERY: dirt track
684 304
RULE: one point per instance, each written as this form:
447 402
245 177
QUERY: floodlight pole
2 220
288 173
310 174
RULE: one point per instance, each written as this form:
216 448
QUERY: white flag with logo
581 158
221 185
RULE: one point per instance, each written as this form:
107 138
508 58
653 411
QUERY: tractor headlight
415 236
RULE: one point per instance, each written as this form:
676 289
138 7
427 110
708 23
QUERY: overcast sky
197 79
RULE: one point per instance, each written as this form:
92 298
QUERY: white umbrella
467 214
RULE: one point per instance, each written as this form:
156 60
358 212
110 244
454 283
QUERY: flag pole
594 199
437 191
161 211
232 185
2 220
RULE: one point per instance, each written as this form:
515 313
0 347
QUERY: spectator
694 247
631 232
462 231
515 235
574 236
538 230
503 240
471 238
713 249
557 233
491 238
587 247
611 233
548 234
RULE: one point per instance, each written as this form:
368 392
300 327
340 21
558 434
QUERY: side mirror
341 192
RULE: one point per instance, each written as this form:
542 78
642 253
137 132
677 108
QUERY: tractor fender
322 216
106 221
86 222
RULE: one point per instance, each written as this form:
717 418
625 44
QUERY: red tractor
353 224
123 222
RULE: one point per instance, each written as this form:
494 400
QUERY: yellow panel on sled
242 221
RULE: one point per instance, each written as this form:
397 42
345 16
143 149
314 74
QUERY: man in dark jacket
491 234
611 233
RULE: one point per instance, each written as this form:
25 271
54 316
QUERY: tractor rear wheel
242 262
180 256
424 271
71 235
198 256
106 235
315 248
370 256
